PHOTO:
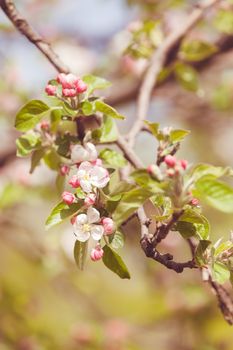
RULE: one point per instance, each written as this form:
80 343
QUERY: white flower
81 153
90 175
85 226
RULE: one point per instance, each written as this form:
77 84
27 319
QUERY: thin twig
158 61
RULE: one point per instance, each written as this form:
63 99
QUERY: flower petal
81 235
99 177
92 152
97 232
78 154
81 219
92 215
86 185
87 166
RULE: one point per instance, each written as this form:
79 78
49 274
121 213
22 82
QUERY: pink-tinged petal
92 215
81 219
87 166
78 154
86 185
92 152
97 232
99 176
103 182
81 236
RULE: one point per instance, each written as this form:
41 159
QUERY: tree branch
158 61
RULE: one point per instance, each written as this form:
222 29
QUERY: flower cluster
71 85
89 178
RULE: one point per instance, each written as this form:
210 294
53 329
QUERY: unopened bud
97 253
68 197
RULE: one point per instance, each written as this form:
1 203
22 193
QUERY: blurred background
45 302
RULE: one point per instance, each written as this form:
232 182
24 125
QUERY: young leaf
154 129
117 241
202 169
200 223
196 50
107 110
88 107
187 76
107 132
52 159
220 273
178 135
37 155
143 179
112 158
115 263
61 212
129 203
95 83
216 193
186 229
200 252
27 143
30 115
80 253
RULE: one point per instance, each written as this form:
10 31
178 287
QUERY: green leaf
187 76
201 170
115 263
196 50
118 240
88 107
61 212
222 247
129 203
220 273
107 132
80 253
178 135
217 194
37 155
224 21
95 83
200 252
154 129
186 229
200 223
107 110
143 179
52 159
30 115
113 158
27 143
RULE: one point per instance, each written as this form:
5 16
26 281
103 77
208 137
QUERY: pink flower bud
170 161
183 163
109 226
74 182
150 169
51 90
61 78
81 87
44 125
68 197
64 170
73 220
90 199
69 92
68 81
194 201
97 162
97 253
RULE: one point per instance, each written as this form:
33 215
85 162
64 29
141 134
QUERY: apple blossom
97 253
91 176
80 153
109 226
74 182
51 90
64 170
97 162
90 199
68 197
68 81
170 161
86 226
